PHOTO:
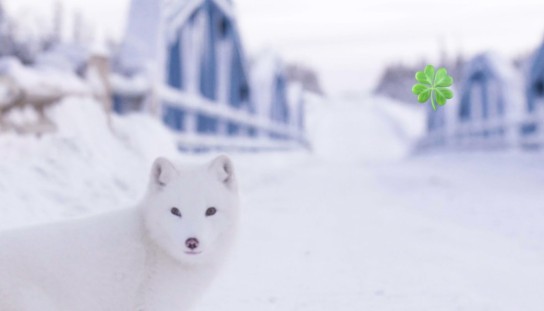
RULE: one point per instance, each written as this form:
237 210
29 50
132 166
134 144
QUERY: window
244 93
223 26
539 88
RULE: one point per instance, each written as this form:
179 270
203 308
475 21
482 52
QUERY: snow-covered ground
357 224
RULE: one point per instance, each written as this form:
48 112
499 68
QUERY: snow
142 34
137 85
83 168
42 80
265 67
366 130
193 36
359 223
67 57
295 101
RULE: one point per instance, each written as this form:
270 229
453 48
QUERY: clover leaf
433 85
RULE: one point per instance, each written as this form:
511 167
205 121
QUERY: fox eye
211 211
175 211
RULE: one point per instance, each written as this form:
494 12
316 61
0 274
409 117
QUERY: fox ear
223 168
163 172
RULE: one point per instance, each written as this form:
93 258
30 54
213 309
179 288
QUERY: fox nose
191 243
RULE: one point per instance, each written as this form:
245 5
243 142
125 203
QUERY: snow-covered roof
494 64
152 22
177 12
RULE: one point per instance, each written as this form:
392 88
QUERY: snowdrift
84 167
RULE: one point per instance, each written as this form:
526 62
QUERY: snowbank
66 57
363 129
42 81
83 168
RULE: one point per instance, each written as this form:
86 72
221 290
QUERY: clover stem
432 99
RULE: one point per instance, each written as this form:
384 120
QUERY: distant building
396 82
491 102
489 110
193 48
279 98
486 111
397 79
305 76
535 93
196 48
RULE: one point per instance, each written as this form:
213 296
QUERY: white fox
158 256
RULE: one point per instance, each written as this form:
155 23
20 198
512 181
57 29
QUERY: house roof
151 22
505 74
495 65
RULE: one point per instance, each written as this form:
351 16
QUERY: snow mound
364 129
84 167
42 81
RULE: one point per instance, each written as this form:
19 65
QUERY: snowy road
451 232
339 237
355 225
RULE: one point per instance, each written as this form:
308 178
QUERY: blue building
273 99
534 92
491 102
194 48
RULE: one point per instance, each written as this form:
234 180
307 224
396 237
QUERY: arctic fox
158 256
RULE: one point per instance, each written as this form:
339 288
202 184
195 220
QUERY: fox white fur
133 259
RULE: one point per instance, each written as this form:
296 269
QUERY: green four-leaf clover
436 86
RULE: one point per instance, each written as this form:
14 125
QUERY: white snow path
347 241
450 232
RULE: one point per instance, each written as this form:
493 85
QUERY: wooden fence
232 128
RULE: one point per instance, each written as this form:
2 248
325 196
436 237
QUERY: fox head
191 212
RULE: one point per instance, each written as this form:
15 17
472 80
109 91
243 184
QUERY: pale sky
349 41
